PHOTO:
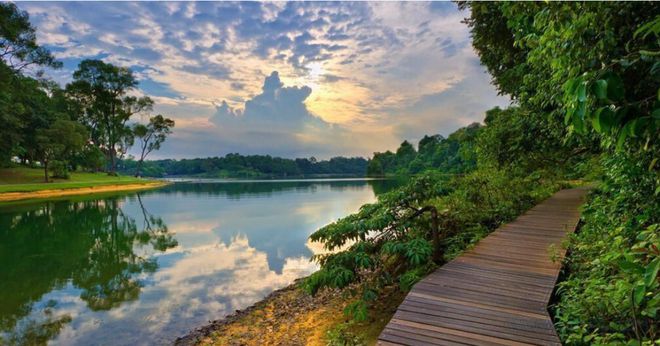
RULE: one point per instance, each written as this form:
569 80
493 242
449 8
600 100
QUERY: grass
23 179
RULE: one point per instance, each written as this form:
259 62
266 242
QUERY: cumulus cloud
276 105
278 116
344 69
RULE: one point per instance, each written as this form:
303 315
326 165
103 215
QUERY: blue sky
289 79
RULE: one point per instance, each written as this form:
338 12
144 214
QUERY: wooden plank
476 320
427 337
473 312
497 292
486 287
501 332
488 299
470 267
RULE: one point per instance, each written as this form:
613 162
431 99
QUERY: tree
24 107
151 136
405 153
18 40
101 88
59 141
428 144
594 67
375 167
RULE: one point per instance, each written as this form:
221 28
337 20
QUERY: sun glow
315 71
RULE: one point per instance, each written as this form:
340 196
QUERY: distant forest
454 154
250 166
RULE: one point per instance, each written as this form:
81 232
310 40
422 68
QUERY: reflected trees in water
89 244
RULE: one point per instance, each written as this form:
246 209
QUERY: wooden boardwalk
497 293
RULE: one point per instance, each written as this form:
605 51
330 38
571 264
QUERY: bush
60 169
612 293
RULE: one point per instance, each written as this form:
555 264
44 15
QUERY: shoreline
53 193
291 316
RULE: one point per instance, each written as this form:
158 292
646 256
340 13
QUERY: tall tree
102 90
151 136
23 103
18 40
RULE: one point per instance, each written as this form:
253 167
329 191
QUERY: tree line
454 154
87 124
250 166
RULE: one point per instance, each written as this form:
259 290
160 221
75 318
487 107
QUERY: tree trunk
113 161
139 167
46 170
437 254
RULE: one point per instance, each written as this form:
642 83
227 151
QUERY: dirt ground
292 317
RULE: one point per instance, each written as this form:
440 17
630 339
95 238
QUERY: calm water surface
146 267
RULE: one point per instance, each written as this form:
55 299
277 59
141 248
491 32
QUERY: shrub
411 230
59 169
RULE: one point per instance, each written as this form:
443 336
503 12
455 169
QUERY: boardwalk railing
496 293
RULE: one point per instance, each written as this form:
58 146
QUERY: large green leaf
582 92
600 89
638 294
651 272
603 120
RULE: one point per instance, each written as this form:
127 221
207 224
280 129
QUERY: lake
144 268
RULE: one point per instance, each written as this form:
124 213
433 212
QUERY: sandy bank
289 316
16 196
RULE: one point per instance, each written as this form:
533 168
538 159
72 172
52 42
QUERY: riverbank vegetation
87 124
584 81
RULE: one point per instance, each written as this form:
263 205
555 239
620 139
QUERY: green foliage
59 169
33 110
340 335
516 138
151 136
18 40
59 142
411 230
612 293
586 77
100 89
90 158
454 154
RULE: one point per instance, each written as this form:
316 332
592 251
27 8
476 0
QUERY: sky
290 79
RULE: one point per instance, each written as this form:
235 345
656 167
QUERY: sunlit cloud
365 68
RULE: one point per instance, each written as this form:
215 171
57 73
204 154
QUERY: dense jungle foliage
583 78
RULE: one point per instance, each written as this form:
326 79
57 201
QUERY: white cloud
367 67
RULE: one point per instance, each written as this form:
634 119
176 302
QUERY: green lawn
24 179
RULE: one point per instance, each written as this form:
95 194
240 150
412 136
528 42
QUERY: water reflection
145 268
88 244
